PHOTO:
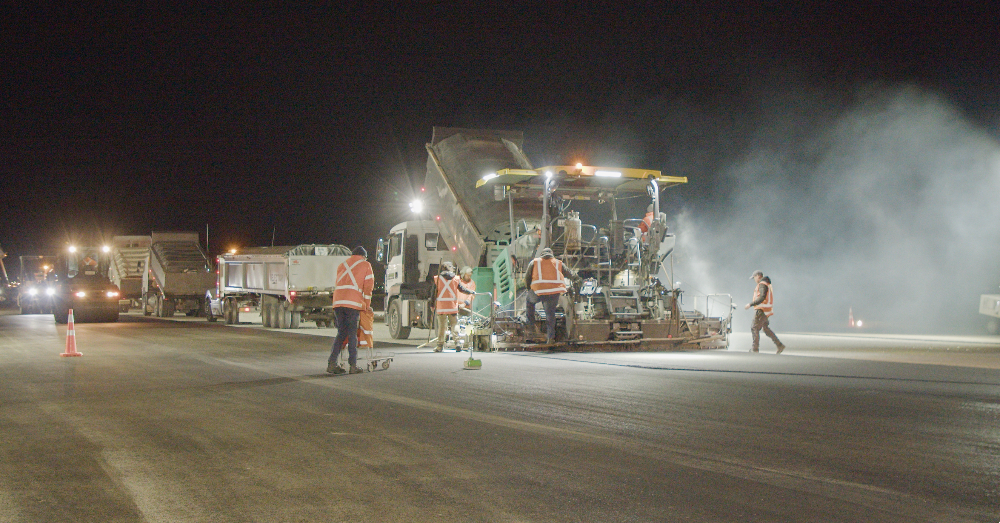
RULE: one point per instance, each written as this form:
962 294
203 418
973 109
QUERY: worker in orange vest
448 288
763 302
545 279
353 294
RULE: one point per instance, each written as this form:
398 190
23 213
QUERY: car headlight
32 291
81 294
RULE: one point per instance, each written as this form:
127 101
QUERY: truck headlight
32 291
112 294
50 292
81 294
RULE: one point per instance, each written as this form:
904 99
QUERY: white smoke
886 204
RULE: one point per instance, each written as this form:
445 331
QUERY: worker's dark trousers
549 304
347 329
760 322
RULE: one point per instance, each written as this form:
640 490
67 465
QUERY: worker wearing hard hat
465 300
545 277
353 294
763 302
449 287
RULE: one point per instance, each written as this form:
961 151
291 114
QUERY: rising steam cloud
885 203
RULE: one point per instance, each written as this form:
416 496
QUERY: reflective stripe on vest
348 292
768 304
447 296
547 277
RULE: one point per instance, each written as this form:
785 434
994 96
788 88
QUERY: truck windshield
86 263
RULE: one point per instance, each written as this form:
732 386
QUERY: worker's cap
466 270
447 266
757 273
546 253
360 251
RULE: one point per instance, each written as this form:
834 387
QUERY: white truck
128 263
287 284
177 275
489 209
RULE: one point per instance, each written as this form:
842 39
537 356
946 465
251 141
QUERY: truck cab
81 283
412 255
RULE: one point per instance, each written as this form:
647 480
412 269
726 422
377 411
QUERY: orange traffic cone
71 338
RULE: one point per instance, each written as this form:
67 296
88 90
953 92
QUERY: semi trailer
287 284
177 275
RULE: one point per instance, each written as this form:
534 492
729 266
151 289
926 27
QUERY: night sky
310 123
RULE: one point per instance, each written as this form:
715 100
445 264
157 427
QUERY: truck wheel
295 320
208 311
61 315
158 306
394 320
265 312
168 308
993 326
284 315
146 311
229 311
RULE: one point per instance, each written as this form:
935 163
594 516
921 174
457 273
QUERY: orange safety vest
366 329
647 222
462 297
768 304
547 277
355 282
447 295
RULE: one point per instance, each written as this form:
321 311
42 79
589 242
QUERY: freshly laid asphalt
188 421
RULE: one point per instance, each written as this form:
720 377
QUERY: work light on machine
417 206
105 249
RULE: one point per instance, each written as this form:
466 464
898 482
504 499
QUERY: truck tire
284 315
146 307
208 311
265 311
394 320
295 320
274 314
61 315
158 306
168 308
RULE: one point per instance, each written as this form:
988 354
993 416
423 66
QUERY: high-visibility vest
366 329
462 297
355 282
447 295
547 276
768 304
647 222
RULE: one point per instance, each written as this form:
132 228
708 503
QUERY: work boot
330 367
337 369
355 370
437 349
781 347
754 350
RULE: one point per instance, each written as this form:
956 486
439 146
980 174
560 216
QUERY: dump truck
80 282
178 274
128 264
488 208
287 284
35 288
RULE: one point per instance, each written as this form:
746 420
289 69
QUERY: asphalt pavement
184 420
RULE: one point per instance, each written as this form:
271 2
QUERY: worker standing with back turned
448 286
545 277
353 294
763 302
